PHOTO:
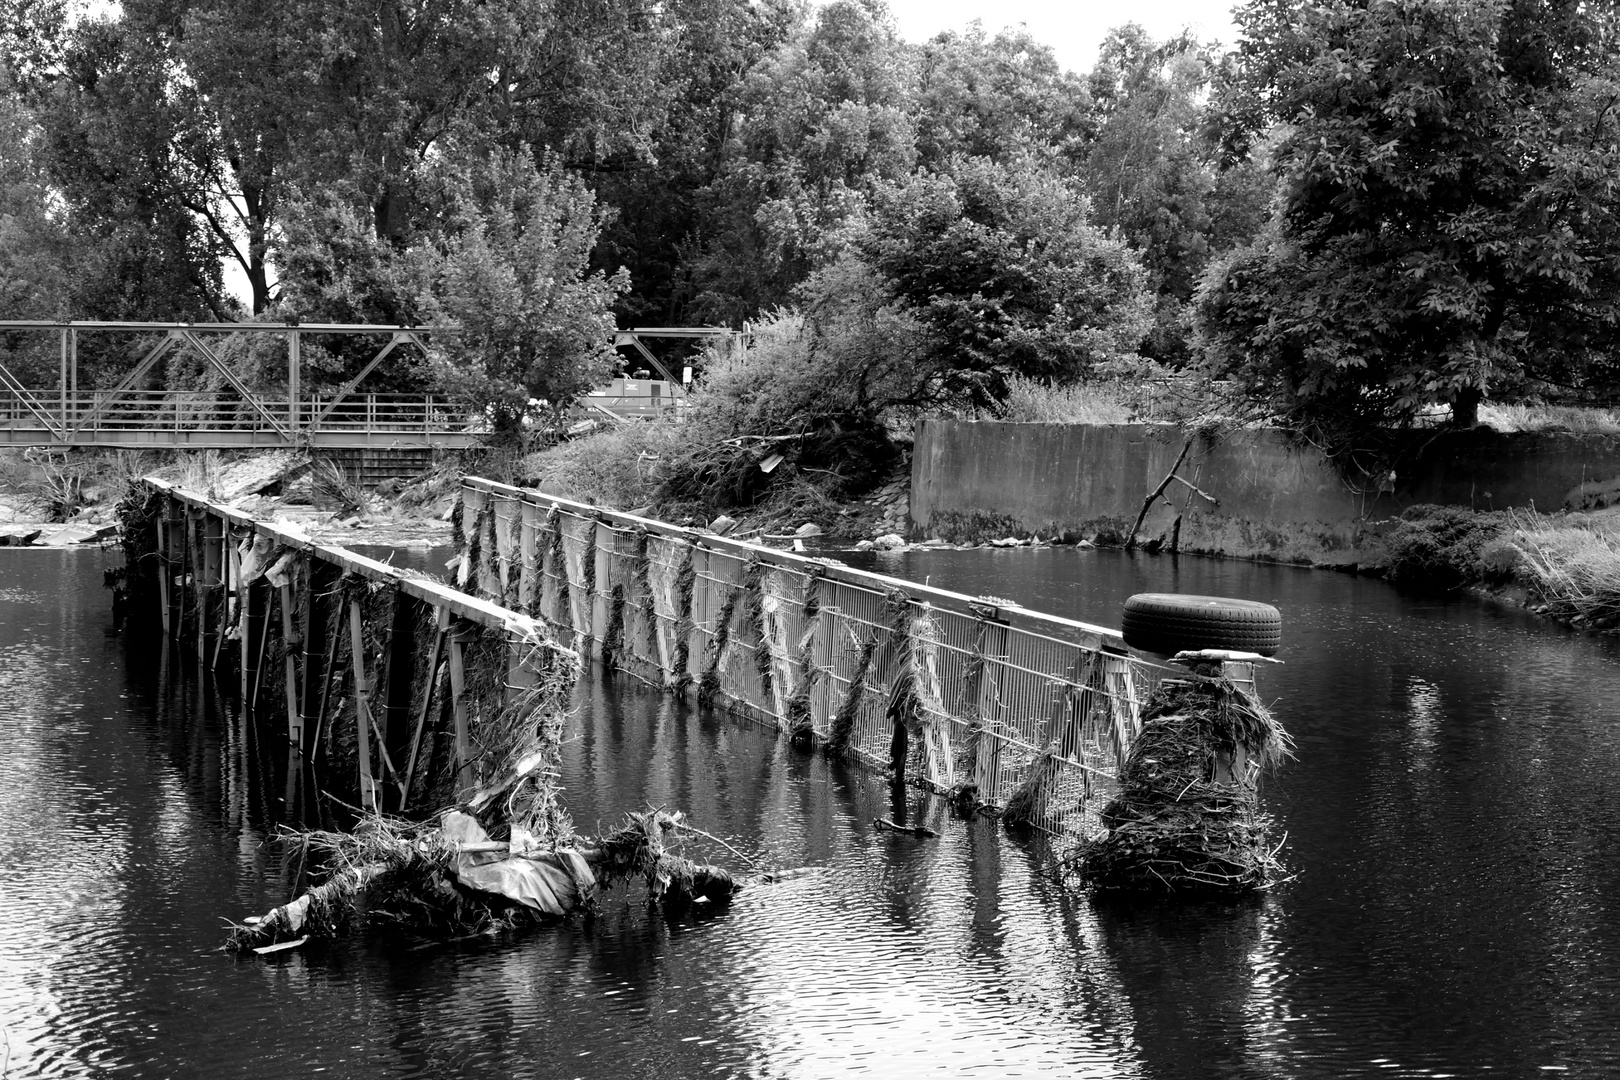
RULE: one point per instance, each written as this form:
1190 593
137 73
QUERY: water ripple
1458 910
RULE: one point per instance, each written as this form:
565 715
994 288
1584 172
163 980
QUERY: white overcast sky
1073 30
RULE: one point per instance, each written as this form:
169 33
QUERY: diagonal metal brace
12 383
371 365
153 355
675 387
237 384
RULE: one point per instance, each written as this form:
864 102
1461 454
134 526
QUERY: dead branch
1147 503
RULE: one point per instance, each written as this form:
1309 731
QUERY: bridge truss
238 413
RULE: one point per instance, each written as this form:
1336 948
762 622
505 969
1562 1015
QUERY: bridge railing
389 412
225 411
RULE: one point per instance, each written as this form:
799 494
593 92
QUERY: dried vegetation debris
1187 815
451 879
504 858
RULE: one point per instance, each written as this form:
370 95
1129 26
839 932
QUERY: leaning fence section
974 697
396 693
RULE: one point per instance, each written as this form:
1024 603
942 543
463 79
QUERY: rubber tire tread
1171 622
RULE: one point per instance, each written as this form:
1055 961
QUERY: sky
1073 28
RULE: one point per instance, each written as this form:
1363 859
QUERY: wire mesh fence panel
860 648
962 694
579 567
641 617
740 673
506 519
527 557
667 558
624 587
556 598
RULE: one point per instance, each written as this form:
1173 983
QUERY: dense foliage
1366 209
1449 227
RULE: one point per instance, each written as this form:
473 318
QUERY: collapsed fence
979 699
403 697
393 685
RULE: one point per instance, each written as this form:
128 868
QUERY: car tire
1171 622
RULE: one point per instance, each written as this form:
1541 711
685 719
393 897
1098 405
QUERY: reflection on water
1450 816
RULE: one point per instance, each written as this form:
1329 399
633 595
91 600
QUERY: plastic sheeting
553 882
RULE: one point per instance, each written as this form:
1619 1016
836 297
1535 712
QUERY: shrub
619 468
1500 560
1441 546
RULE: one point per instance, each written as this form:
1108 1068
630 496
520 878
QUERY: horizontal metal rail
195 418
427 589
224 327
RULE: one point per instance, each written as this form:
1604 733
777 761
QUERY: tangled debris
504 858
448 880
1187 817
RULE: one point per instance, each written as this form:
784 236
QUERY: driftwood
451 881
884 824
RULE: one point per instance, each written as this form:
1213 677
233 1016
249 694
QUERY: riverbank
72 500
1564 567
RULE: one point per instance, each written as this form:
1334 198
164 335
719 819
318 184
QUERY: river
1451 816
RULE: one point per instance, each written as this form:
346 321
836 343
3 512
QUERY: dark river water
1453 817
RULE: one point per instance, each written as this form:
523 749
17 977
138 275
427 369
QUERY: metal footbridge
256 374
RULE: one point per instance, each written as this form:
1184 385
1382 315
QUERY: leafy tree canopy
1450 223
1002 264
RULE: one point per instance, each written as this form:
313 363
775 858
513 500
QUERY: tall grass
1550 418
619 468
1031 401
1575 567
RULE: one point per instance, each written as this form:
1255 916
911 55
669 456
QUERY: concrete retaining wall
974 480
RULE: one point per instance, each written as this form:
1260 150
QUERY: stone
722 525
809 528
864 545
18 536
251 475
889 542
1085 544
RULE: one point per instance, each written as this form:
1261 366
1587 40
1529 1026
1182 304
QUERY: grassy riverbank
1565 566
1568 564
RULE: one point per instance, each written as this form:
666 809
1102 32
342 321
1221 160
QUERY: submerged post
362 714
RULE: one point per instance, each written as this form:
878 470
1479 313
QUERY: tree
707 50
110 149
512 274
1450 223
1000 262
1146 169
817 125
1003 97
37 272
